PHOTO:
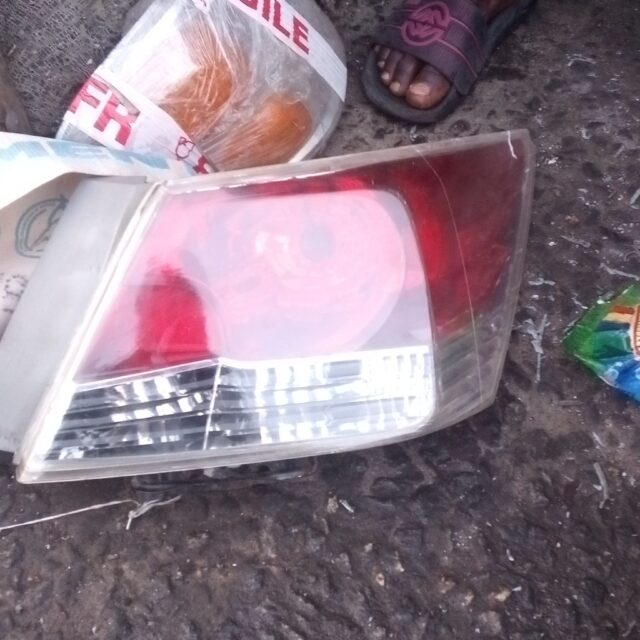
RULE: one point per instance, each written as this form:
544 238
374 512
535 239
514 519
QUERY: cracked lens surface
496 528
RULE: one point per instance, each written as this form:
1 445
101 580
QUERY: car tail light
269 314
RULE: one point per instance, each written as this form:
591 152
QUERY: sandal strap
449 35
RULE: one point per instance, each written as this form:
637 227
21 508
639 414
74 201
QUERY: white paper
26 162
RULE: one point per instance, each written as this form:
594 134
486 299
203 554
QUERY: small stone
491 623
343 562
502 595
445 585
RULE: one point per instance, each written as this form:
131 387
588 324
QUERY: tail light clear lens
271 314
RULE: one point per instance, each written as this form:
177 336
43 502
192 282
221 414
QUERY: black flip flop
451 35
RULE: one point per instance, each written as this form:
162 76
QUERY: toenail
395 87
420 88
381 63
386 76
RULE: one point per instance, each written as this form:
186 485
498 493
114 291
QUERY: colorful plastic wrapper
607 341
219 84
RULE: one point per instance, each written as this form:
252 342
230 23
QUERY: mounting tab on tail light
269 314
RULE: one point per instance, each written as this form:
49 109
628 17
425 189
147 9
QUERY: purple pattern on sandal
426 24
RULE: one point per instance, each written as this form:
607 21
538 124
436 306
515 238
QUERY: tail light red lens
247 317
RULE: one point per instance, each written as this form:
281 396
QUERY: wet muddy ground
498 528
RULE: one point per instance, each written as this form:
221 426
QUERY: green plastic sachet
607 341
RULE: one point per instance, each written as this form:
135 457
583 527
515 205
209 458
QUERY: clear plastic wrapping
220 84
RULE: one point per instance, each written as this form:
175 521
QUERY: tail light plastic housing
269 314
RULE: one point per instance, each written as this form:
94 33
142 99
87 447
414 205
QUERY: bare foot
422 86
12 115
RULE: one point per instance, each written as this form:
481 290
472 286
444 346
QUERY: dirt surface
494 529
